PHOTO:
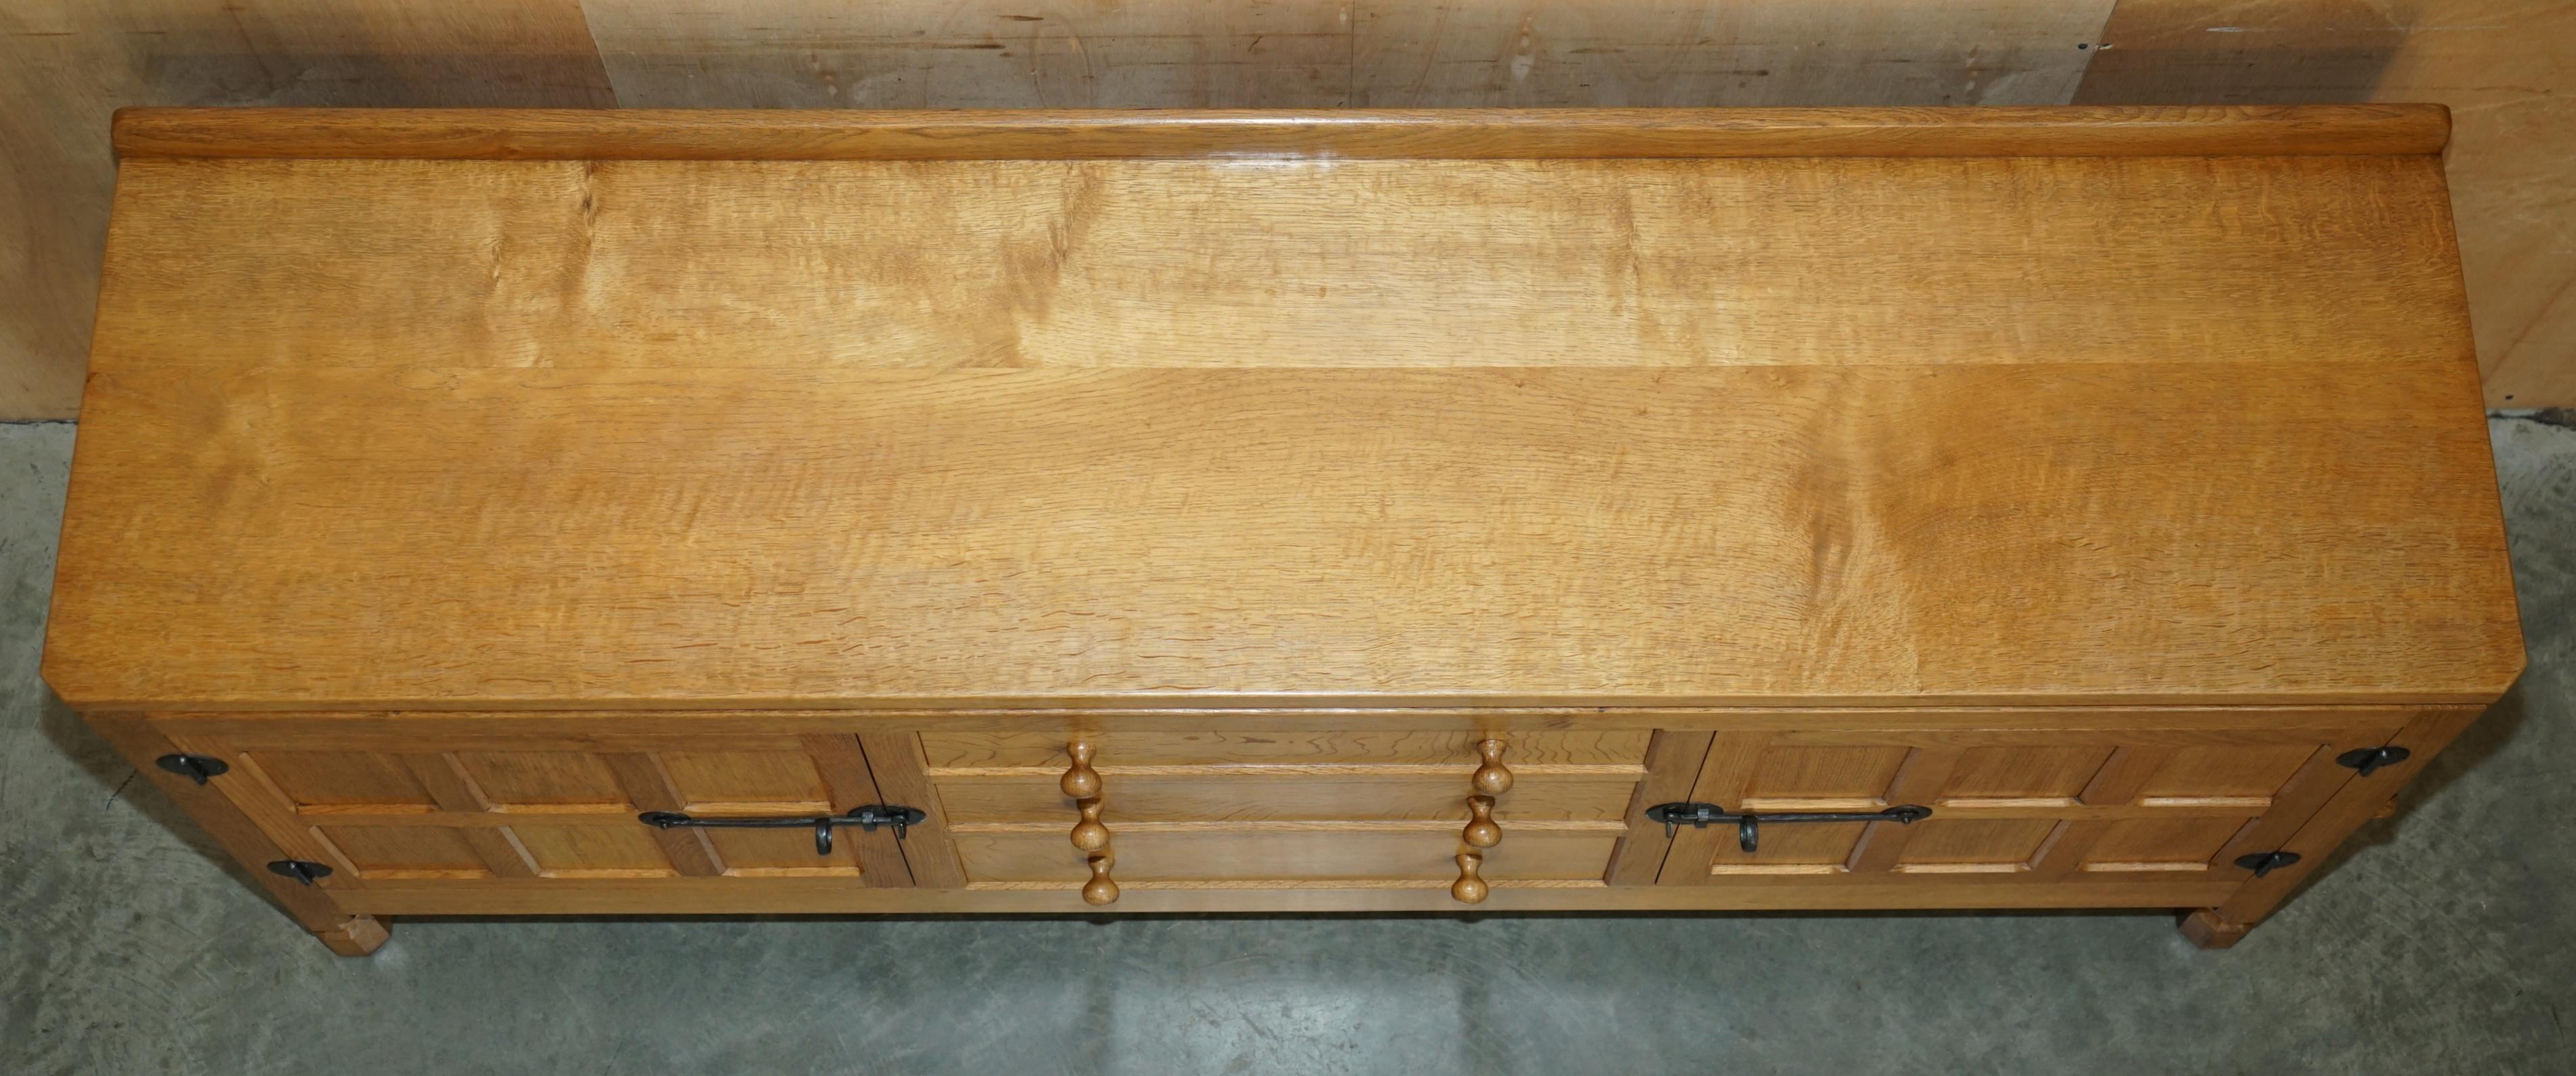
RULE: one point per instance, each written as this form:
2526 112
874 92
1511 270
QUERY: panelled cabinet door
2008 805
519 807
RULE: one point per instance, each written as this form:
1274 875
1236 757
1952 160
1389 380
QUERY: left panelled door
562 808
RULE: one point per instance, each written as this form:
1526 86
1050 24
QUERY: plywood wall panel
1456 53
54 186
65 65
976 53
2507 68
1367 53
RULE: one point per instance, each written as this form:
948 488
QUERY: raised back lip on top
1466 133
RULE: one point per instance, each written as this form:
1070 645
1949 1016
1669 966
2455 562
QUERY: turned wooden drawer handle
1470 888
1481 832
1491 779
1080 780
1083 784
1100 890
1088 834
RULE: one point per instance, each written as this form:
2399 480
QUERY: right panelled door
2020 805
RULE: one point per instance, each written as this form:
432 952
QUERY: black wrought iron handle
1748 825
867 818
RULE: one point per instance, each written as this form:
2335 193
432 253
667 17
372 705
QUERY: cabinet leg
310 906
2432 728
2207 930
357 935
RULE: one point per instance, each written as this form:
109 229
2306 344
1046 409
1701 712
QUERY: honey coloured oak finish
592 513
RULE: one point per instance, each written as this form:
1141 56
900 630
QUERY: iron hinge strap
867 818
1748 824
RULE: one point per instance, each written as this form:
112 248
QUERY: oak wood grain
844 769
769 729
1163 855
1347 517
750 896
1286 796
1724 773
1405 433
1074 134
501 851
1672 766
894 759
1921 779
781 270
1373 746
648 787
1255 816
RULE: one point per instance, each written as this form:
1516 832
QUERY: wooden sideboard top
492 409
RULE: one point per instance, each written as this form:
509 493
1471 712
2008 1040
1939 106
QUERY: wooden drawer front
548 808
2038 805
1316 797
1263 856
973 752
1295 808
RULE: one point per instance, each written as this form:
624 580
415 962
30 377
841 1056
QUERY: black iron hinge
1748 825
2369 759
2262 863
193 767
302 870
867 818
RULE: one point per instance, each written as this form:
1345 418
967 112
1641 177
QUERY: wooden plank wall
2504 65
2507 68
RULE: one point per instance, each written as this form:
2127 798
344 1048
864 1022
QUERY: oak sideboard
558 512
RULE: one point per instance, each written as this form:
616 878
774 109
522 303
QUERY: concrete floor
2444 941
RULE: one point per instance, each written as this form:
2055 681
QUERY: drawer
1192 797
1250 808
978 751
1149 856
